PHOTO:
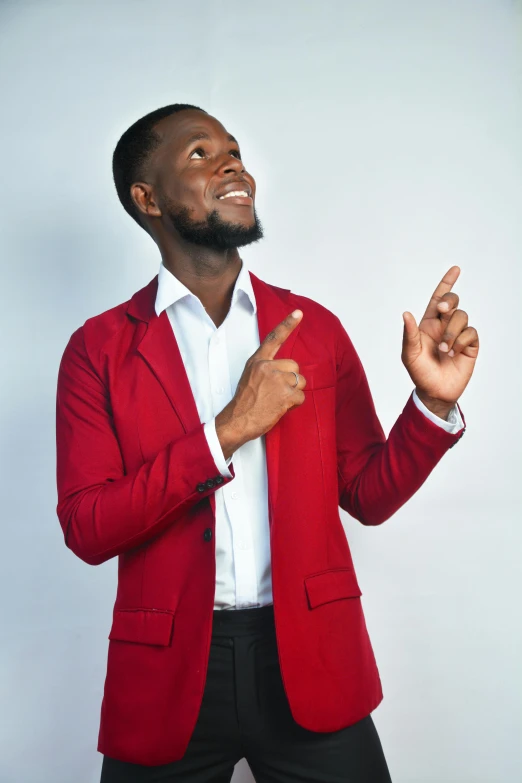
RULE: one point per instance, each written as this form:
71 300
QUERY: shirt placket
234 492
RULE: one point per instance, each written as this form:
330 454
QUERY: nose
231 164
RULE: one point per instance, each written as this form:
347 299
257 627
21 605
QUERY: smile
236 193
237 197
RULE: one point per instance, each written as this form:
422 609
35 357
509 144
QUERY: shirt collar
172 290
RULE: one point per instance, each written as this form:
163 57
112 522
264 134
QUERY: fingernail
451 353
443 346
296 313
444 305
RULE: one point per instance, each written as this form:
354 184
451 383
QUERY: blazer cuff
418 428
216 450
453 424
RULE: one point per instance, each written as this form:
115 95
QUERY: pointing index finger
445 285
274 339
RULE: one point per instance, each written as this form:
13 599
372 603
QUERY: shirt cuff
215 448
452 425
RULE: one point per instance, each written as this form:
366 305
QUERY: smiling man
208 431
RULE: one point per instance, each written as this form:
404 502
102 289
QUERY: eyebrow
202 135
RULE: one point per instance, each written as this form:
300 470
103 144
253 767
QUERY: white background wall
385 140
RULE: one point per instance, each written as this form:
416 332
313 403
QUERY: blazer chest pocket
331 585
320 375
142 626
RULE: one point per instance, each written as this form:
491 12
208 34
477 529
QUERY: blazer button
207 535
210 483
201 487
219 479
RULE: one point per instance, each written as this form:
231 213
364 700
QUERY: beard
214 232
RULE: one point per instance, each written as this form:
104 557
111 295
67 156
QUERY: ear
143 196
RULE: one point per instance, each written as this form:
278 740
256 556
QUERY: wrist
228 433
440 408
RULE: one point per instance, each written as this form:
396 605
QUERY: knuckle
260 366
468 335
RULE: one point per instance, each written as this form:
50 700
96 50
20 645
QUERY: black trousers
245 714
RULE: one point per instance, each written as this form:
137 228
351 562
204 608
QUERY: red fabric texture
131 461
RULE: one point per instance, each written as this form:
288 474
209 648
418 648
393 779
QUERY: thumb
411 339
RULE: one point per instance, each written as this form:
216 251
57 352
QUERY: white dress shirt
214 358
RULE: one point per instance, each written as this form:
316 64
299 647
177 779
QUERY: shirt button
216 339
242 545
234 495
207 535
210 483
201 487
220 389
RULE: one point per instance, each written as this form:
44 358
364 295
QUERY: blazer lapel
160 349
272 308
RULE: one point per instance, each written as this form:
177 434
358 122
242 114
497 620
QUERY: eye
201 152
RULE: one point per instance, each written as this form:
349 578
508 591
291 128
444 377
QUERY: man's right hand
265 392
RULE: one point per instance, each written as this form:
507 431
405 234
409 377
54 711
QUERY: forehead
178 129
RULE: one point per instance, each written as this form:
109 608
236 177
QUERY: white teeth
242 193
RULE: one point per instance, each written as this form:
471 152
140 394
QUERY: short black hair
132 152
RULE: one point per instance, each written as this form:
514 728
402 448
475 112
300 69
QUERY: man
207 432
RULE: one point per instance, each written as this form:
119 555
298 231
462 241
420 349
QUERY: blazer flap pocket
320 375
331 585
143 626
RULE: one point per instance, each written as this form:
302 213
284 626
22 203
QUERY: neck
208 274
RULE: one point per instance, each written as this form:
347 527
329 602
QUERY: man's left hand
440 353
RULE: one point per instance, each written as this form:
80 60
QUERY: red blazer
136 479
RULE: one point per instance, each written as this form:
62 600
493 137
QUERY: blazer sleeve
377 475
103 511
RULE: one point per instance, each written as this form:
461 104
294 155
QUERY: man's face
197 164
